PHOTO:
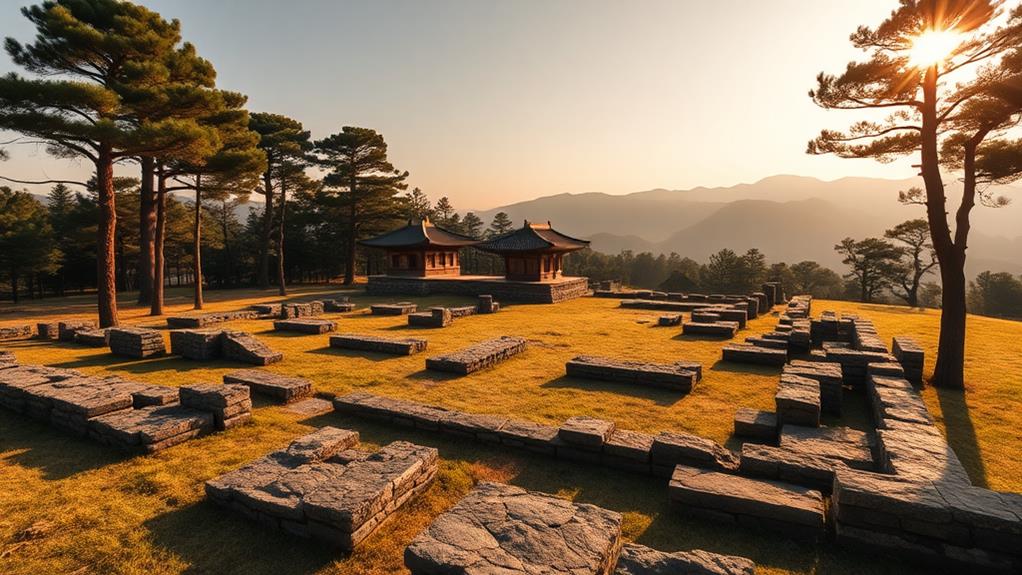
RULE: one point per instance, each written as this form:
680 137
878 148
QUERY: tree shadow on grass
149 365
663 397
213 539
961 433
57 454
428 375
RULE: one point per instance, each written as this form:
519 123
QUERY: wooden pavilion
421 249
534 252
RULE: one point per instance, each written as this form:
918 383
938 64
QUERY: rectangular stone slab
362 342
741 496
718 328
668 376
479 356
305 325
744 353
281 387
586 431
502 529
641 560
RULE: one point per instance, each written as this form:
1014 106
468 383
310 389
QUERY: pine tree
500 225
27 245
944 106
914 235
364 180
96 50
419 207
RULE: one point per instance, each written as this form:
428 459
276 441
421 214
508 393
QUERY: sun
933 47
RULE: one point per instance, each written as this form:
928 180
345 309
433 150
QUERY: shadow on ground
58 455
659 396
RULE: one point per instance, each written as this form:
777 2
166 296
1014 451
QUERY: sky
491 102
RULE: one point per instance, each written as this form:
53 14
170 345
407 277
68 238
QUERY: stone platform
550 291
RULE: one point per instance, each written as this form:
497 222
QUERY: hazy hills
789 218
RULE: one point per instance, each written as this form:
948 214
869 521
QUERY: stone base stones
715 329
66 330
798 401
767 342
322 488
828 375
48 330
230 404
487 305
586 431
911 357
894 399
755 424
199 344
310 407
200 320
641 560
889 369
313 325
669 319
361 342
401 308
267 310
745 353
244 347
7 359
953 528
93 337
673 448
137 342
919 453
668 376
702 316
851 447
782 508
732 313
783 464
342 305
502 529
150 429
282 388
11 332
662 305
297 310
479 356
435 317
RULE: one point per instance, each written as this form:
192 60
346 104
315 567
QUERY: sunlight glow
933 47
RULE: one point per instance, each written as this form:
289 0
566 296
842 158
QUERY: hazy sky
492 102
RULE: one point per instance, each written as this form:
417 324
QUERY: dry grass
96 511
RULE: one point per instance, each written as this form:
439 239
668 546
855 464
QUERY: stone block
586 431
283 388
136 342
372 343
401 308
67 329
641 560
479 356
204 344
755 424
669 376
744 353
673 448
798 401
306 325
244 347
721 328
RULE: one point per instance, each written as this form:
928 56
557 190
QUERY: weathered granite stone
479 356
771 343
479 426
894 398
360 342
755 424
629 450
673 448
435 317
850 446
301 310
306 325
586 431
401 308
486 304
669 376
798 401
790 466
201 320
784 508
717 329
342 305
93 337
199 344
528 435
641 560
503 529
48 330
705 316
911 357
7 359
244 347
230 404
829 377
67 329
669 319
283 388
10 332
919 453
150 429
744 353
137 342
322 444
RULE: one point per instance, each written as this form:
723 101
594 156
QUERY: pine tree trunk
106 270
197 243
949 371
264 248
349 266
160 231
146 232
282 290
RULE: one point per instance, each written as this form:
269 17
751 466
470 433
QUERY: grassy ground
72 506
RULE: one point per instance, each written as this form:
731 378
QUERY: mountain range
789 218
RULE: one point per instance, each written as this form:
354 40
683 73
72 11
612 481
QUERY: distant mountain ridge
789 218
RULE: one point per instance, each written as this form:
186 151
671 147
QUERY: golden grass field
69 505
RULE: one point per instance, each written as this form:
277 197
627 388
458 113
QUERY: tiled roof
419 234
533 237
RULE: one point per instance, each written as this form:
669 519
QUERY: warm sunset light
933 47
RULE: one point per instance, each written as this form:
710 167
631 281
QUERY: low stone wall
136 342
911 357
668 376
47 330
725 329
798 401
400 308
67 329
283 388
230 404
299 310
200 320
308 325
336 494
756 424
435 317
479 356
829 377
10 332
93 337
244 347
376 344
669 319
523 292
744 353
199 344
